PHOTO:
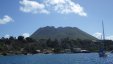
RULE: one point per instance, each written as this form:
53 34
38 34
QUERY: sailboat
102 47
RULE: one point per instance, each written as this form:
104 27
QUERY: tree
66 43
28 39
56 44
20 38
49 43
12 38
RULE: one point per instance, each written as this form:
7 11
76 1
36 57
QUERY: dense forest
23 45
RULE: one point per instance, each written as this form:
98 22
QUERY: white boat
102 52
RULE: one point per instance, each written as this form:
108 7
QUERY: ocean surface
78 58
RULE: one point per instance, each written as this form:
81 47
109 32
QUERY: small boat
102 53
102 48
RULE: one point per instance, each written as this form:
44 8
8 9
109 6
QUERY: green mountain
60 33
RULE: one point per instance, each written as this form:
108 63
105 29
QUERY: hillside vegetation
61 33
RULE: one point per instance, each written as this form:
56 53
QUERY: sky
23 17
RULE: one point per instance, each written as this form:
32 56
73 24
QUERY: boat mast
103 30
102 51
103 42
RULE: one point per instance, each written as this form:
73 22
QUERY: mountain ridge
60 33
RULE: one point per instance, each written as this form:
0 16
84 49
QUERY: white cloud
32 7
6 19
59 6
109 37
98 35
66 6
26 35
7 36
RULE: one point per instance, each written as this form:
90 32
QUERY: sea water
77 58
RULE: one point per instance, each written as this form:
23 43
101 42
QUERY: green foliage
21 38
29 45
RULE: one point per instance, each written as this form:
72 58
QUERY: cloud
6 19
30 6
26 35
98 35
7 36
65 7
109 37
59 6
